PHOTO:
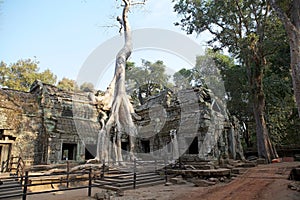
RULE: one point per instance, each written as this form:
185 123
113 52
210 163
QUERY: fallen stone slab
202 173
202 183
261 161
238 170
247 164
295 174
178 180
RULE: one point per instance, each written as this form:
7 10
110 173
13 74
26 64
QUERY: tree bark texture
116 100
255 65
292 27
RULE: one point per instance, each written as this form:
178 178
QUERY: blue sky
61 34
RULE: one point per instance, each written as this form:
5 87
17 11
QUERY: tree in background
183 79
147 80
21 75
289 13
87 87
68 85
244 27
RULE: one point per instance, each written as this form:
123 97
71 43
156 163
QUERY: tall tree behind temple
244 28
147 80
20 75
289 13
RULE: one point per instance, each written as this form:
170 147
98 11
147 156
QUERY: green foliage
87 87
68 85
183 78
20 75
282 119
147 80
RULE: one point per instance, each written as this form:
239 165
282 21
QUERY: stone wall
199 120
70 122
20 122
46 122
49 125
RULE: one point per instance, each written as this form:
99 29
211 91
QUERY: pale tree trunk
292 27
117 102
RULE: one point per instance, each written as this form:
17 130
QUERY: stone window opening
67 112
69 151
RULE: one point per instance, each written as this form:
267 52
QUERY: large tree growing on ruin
115 100
244 27
289 13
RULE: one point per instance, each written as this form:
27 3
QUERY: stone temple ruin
47 125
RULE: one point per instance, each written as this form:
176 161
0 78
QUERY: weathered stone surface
104 195
46 124
261 161
168 184
202 173
248 164
193 113
39 122
202 183
238 170
178 180
295 174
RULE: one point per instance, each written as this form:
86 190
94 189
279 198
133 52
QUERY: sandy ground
263 182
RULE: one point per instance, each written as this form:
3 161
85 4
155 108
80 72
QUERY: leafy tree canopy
146 80
68 85
87 87
21 75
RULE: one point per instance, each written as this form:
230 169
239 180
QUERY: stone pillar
232 142
175 148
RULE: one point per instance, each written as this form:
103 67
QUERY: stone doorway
193 148
6 142
69 151
90 151
145 146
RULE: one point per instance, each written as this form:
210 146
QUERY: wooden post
68 171
2 167
25 186
179 160
166 173
90 182
22 177
134 173
103 169
11 163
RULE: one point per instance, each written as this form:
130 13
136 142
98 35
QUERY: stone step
204 173
129 181
9 196
247 164
126 175
138 178
238 170
10 188
128 187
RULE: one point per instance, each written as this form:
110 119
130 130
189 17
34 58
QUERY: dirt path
263 183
